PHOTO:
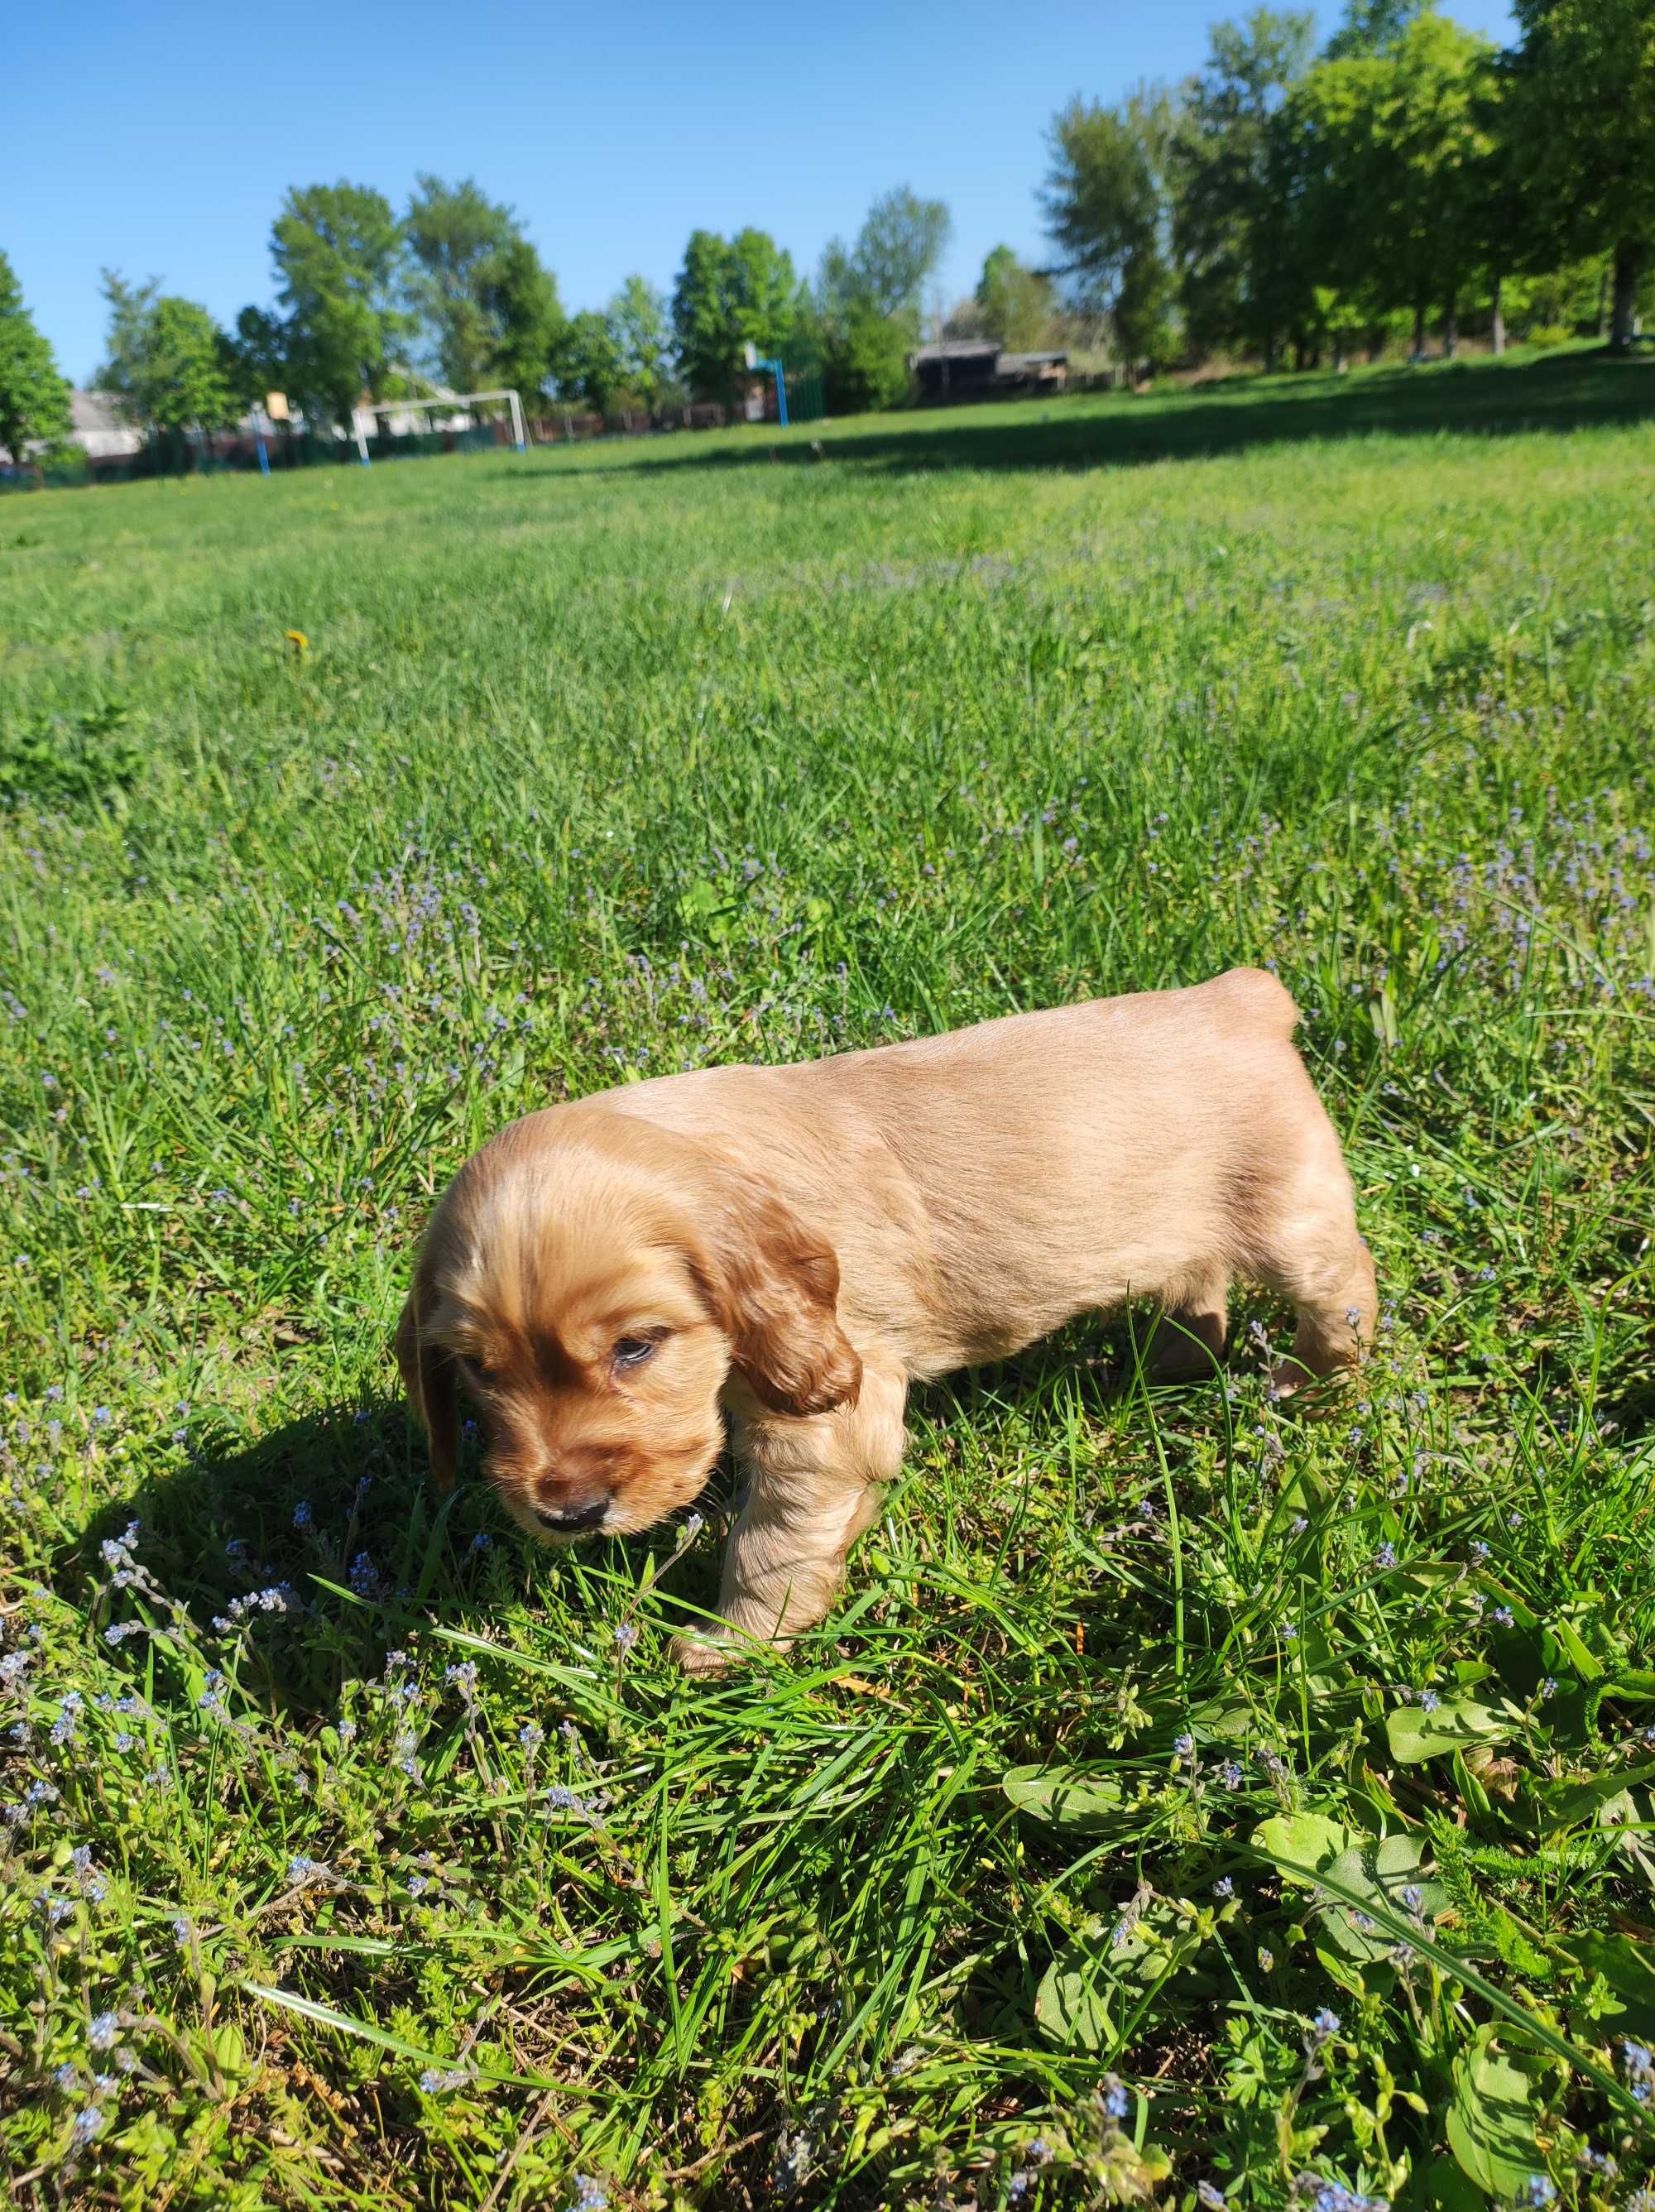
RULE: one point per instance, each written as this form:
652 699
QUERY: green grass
611 762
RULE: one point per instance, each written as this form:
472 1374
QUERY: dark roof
957 349
1011 362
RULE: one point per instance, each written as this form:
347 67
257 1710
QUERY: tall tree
899 245
522 319
455 234
1107 207
643 339
1371 28
1431 149
1585 82
169 363
258 358
589 361
731 293
33 398
337 250
1015 302
1237 281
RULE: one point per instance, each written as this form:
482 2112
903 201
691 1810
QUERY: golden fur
791 1247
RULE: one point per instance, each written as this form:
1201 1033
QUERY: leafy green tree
589 366
1371 28
190 386
1238 281
522 319
731 293
169 362
257 360
1432 150
1585 85
455 234
1015 302
124 371
643 336
900 243
1107 206
33 398
702 314
338 254
865 360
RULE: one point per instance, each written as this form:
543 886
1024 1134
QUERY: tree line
1282 204
1286 202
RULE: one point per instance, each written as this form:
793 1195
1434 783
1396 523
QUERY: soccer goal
410 416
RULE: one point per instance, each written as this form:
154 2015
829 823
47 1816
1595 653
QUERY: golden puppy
791 1247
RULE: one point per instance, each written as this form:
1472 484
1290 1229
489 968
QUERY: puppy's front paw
705 1655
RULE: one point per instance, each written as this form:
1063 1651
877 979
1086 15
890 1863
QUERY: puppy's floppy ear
774 1284
428 1376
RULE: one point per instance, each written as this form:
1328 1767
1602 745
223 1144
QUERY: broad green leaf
1066 1797
1491 2119
1457 1725
1302 1839
1379 1874
1072 2007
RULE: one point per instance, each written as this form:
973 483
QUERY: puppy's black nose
572 1523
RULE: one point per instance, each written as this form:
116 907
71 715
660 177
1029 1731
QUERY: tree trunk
1340 354
1376 345
1602 303
1498 303
1417 352
1628 268
1269 353
1451 328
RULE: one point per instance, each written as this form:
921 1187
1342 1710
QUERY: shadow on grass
1559 393
335 1509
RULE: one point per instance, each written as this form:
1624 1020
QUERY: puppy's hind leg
1314 1255
812 1486
1188 1342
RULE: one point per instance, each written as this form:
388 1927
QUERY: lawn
1184 1797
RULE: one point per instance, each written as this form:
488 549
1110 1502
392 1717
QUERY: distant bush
864 362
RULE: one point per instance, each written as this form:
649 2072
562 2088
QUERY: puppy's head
589 1282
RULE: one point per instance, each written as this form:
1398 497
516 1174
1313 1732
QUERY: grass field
353 1859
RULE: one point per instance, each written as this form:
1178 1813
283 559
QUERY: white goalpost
447 403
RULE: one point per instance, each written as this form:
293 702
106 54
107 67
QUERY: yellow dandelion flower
297 640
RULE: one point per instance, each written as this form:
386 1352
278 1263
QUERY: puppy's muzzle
576 1521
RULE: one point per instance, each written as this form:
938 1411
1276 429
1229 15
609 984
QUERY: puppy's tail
1256 1001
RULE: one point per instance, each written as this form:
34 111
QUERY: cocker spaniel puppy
788 1248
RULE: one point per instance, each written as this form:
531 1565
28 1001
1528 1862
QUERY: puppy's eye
633 1350
486 1375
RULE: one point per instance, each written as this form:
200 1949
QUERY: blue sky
159 139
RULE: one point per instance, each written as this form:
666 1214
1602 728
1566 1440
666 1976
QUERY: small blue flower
104 2032
1539 2188
1116 2101
1184 1746
1229 1774
1224 1886
88 2126
303 1516
1324 2024
1503 1614
1429 1701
